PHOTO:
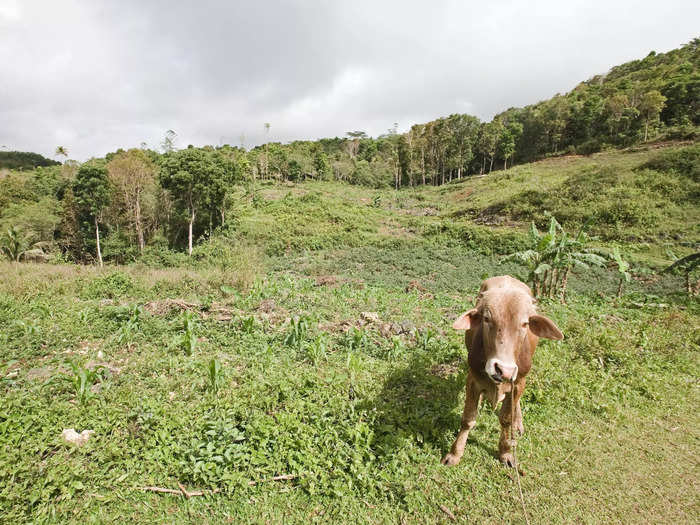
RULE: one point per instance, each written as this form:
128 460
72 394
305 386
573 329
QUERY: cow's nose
503 372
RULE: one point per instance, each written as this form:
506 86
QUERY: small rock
171 396
100 354
407 326
370 317
69 435
385 330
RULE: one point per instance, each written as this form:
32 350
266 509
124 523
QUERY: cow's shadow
420 402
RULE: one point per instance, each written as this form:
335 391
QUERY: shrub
112 286
685 162
238 265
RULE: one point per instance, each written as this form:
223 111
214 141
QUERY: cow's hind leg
505 450
471 408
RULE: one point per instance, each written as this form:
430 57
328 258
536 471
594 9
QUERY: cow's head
503 319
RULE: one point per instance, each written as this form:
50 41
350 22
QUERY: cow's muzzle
500 371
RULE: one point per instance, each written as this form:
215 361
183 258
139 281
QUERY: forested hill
648 99
18 160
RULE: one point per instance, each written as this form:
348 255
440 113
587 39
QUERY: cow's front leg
471 408
505 450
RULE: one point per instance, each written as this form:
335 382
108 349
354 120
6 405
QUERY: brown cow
501 334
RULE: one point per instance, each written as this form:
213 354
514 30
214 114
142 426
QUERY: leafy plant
356 339
316 351
248 324
214 374
622 268
298 329
14 243
82 379
552 256
188 341
424 337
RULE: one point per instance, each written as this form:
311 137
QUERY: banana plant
622 268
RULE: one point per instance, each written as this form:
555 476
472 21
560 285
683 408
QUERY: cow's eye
525 324
487 319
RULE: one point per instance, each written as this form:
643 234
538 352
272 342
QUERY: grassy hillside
644 199
257 358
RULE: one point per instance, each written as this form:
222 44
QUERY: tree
93 193
168 143
196 180
61 150
132 174
650 106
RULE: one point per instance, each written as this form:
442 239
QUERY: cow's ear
466 320
541 326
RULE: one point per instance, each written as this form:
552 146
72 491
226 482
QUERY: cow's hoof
507 459
450 460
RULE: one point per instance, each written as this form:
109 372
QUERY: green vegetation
21 160
273 327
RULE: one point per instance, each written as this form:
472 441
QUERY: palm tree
61 150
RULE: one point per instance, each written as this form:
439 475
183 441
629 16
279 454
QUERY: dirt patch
165 306
39 374
327 280
445 370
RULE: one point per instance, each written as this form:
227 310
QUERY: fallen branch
181 491
275 478
448 512
188 494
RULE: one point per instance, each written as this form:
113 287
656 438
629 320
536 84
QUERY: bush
112 286
685 162
239 265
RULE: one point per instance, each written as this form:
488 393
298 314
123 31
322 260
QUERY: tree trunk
139 228
564 282
189 232
619 288
646 128
553 279
97 237
491 165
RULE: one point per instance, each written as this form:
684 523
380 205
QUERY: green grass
255 360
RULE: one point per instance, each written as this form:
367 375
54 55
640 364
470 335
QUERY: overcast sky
96 75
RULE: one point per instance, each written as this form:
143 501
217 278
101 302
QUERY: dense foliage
19 160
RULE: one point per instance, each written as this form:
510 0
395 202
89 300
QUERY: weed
82 380
298 330
214 375
188 338
316 351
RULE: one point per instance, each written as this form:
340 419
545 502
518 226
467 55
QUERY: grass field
264 358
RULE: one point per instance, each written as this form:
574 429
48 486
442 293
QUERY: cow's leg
505 452
471 407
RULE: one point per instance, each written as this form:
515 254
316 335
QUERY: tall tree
133 176
93 193
651 104
194 179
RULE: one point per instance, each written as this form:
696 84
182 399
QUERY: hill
24 160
